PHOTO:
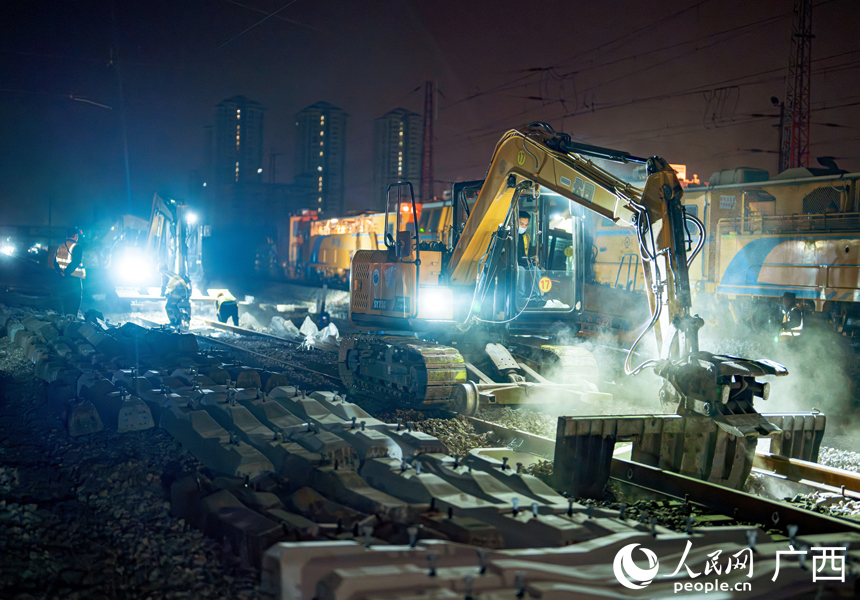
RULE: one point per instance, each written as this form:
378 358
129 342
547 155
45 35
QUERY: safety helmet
73 231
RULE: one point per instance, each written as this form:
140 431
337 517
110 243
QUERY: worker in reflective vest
792 317
177 292
227 308
67 264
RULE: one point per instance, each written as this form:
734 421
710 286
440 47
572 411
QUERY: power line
537 70
763 22
632 35
512 85
264 19
563 76
260 10
755 25
489 129
648 134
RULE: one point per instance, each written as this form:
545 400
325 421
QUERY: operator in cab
178 293
526 260
227 308
792 317
67 264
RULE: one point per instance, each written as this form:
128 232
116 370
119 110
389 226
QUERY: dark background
688 80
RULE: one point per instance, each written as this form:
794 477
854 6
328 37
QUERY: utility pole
794 133
427 153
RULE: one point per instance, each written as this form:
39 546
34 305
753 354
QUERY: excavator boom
472 297
536 157
527 153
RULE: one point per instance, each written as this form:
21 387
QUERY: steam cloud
821 364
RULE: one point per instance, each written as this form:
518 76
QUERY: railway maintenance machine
494 317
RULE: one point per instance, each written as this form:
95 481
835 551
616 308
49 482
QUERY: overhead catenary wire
638 71
629 36
280 17
490 129
264 19
635 55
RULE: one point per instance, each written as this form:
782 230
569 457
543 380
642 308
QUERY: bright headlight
134 270
7 249
435 303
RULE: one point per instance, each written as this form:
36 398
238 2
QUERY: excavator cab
400 233
540 282
549 256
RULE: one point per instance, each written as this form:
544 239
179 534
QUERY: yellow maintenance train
795 233
319 251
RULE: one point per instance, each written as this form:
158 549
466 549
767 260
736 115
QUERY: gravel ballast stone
89 517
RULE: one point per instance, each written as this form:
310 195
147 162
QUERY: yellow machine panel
766 238
320 251
385 288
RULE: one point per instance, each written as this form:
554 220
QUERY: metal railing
825 222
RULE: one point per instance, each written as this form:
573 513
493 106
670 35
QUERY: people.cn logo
626 571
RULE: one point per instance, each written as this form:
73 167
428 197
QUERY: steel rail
525 442
821 487
249 332
149 323
260 355
801 471
722 500
714 498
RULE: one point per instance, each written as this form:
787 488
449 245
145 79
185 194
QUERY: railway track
716 499
289 365
643 480
258 357
250 332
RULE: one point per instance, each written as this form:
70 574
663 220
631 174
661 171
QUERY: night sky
688 80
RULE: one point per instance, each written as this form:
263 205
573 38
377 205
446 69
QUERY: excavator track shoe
408 370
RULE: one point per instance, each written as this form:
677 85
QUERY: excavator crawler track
408 370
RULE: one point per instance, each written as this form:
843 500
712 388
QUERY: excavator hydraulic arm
719 387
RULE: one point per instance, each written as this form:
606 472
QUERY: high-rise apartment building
236 142
396 152
320 153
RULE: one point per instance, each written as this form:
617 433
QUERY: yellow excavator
490 318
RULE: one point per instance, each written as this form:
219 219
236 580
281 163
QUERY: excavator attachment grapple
721 387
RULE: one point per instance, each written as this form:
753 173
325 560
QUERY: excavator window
559 243
429 220
549 265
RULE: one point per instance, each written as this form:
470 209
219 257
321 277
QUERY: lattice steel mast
427 151
794 136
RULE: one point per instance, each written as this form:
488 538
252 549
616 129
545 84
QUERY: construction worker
178 293
67 264
227 308
792 316
526 285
